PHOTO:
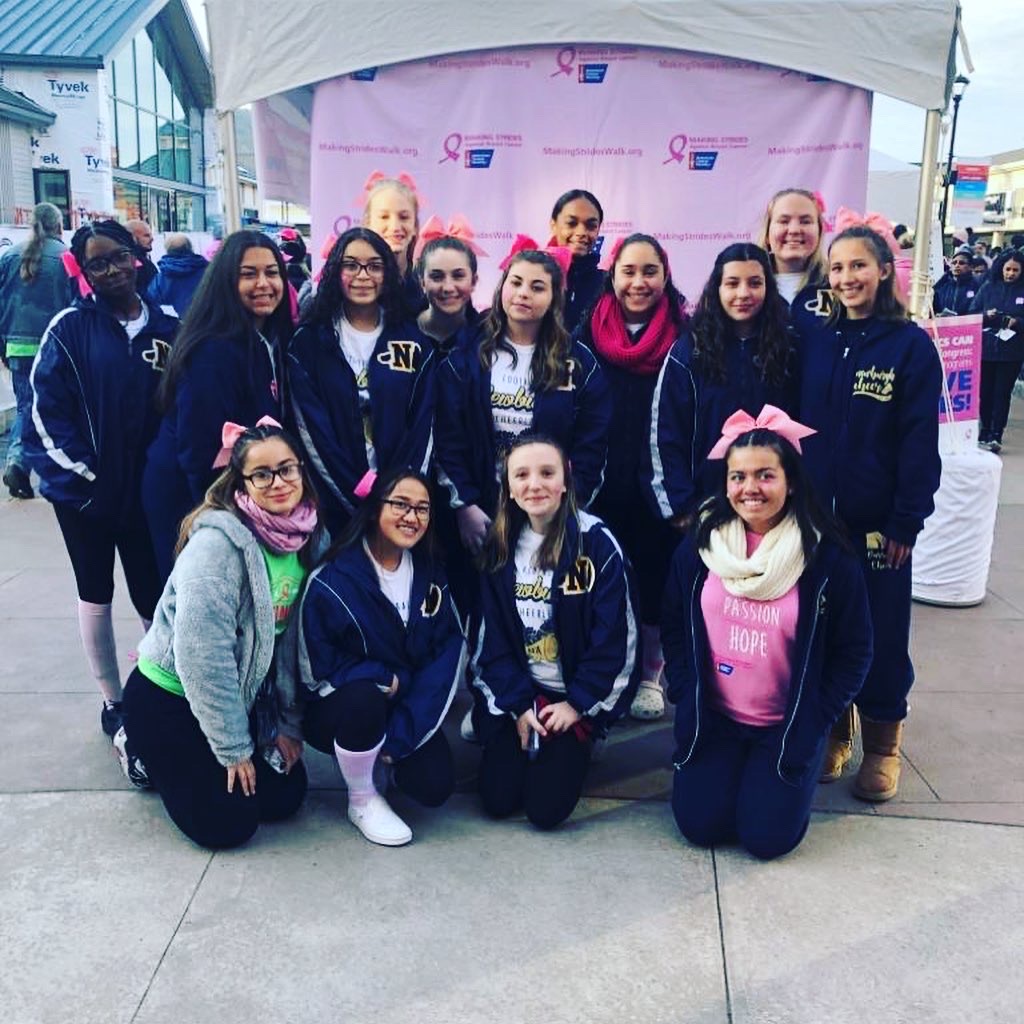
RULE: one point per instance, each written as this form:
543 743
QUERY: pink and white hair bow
769 418
404 177
561 254
74 271
458 227
229 435
847 218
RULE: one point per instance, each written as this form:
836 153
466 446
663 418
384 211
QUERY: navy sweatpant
730 790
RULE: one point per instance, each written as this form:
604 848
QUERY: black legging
997 380
192 783
548 787
355 717
91 541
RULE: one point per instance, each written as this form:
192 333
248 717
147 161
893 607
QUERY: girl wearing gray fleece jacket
212 704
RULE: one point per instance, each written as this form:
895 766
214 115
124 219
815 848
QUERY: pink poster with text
684 146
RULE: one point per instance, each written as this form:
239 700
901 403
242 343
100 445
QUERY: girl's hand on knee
559 717
245 773
291 750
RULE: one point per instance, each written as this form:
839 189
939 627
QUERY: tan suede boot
879 774
840 746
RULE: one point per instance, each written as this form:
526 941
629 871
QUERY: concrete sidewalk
911 912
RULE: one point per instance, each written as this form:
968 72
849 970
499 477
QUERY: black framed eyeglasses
402 508
353 268
261 479
123 259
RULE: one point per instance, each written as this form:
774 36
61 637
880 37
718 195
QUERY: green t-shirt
286 578
165 680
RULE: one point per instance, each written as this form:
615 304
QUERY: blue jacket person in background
177 275
557 658
383 652
870 387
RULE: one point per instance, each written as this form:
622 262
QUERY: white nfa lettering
748 641
760 612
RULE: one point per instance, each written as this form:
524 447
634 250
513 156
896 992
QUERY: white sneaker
649 702
379 823
466 730
132 766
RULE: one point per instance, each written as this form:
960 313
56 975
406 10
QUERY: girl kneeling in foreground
767 639
383 651
212 701
557 657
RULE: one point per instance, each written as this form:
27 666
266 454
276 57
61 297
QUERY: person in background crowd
980 249
955 290
871 381
178 275
293 249
146 270
1000 300
385 654
226 365
361 375
631 327
392 210
212 703
33 289
576 224
979 268
767 640
792 234
556 662
93 382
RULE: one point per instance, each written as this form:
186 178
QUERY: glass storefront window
165 141
147 143
127 200
127 139
164 103
145 62
124 75
182 154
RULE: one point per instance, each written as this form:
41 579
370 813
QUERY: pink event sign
684 146
959 343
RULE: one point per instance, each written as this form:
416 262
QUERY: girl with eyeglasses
361 376
382 652
556 662
226 365
213 701
93 384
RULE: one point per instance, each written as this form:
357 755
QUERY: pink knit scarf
613 341
282 534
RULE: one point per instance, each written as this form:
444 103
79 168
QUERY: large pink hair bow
561 254
458 227
403 176
74 271
847 218
229 435
769 418
608 261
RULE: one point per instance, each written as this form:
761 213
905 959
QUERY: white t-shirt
357 348
134 327
533 603
511 396
395 584
789 285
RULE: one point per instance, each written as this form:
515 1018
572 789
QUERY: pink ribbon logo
566 60
676 149
452 145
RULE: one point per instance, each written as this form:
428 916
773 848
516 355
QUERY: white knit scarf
771 571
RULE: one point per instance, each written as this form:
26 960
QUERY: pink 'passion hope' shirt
751 645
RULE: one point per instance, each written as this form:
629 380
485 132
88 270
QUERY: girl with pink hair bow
767 639
391 207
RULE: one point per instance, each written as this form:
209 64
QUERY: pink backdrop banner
684 146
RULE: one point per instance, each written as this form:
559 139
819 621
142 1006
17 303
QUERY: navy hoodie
93 408
582 286
576 416
351 631
325 405
871 389
596 620
830 659
687 415
1008 302
177 279
953 295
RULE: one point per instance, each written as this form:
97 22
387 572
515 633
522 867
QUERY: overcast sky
991 112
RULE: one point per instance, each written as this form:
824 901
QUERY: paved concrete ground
909 912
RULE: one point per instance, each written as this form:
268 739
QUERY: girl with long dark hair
383 652
227 364
361 376
576 220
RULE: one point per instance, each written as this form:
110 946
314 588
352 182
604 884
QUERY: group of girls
557 463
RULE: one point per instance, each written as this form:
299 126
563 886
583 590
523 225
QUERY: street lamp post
960 83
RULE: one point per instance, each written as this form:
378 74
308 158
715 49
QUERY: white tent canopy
903 50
